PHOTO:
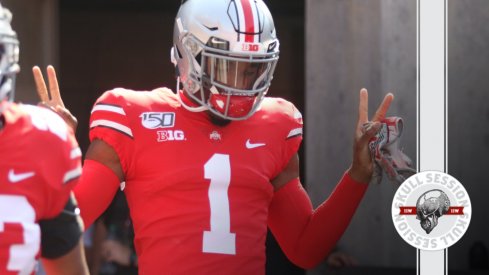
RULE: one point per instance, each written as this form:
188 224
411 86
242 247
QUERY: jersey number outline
219 239
46 120
22 235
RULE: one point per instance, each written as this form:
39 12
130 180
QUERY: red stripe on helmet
249 21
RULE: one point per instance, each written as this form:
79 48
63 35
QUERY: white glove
387 154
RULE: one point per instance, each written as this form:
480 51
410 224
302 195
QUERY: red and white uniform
198 193
40 163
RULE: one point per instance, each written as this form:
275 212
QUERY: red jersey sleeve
286 120
293 137
305 235
109 122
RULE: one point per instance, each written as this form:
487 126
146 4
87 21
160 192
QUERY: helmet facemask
230 86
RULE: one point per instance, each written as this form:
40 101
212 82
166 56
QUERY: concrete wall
353 44
349 45
468 119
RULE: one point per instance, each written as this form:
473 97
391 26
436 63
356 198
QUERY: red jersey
40 163
198 193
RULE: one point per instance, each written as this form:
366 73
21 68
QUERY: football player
208 167
40 165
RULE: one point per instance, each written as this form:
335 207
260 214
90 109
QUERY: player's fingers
42 91
344 260
384 106
334 262
54 87
348 261
108 255
353 261
369 132
363 107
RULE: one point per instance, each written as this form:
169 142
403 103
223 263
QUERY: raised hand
362 165
52 98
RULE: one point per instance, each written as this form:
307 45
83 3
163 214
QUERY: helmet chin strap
190 108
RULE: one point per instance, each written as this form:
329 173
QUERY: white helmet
9 56
225 53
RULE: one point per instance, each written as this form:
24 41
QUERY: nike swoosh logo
250 145
13 177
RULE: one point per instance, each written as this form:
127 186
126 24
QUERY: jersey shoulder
281 113
36 123
118 110
127 99
38 140
281 108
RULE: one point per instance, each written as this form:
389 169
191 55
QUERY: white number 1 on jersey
219 239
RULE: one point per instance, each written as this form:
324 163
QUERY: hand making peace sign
362 164
52 98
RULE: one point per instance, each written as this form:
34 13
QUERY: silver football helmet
225 53
9 56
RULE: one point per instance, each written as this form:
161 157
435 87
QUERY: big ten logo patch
170 135
250 47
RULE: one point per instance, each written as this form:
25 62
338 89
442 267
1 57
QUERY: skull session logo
428 210
431 210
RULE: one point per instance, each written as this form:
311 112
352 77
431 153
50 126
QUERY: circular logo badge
431 210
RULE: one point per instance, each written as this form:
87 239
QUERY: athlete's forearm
95 190
72 263
306 235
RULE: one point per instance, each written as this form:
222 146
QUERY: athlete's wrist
362 175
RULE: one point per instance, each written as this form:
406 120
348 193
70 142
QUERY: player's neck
218 121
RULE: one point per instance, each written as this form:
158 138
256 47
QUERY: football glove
387 153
